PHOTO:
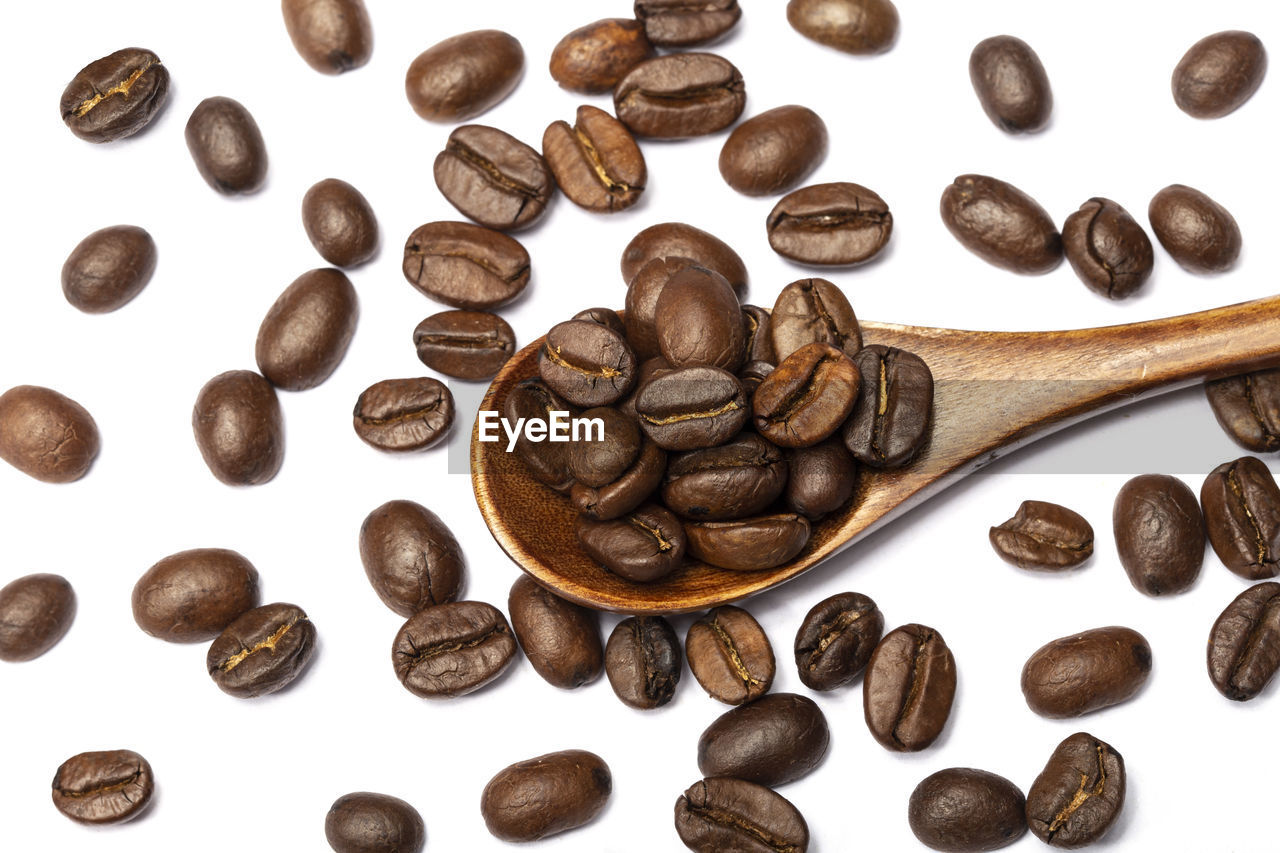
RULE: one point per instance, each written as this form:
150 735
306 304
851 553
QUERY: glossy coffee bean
776 739
403 415
465 266
1196 231
411 557
586 363
908 688
1001 224
813 310
680 95
807 397
546 795
1086 672
547 462
1011 84
693 407
629 490
465 344
364 822
891 420
596 162
1043 537
108 268
830 225
699 322
1159 534
452 649
194 595
1248 408
648 370
678 240
1241 505
1244 644
773 151
1079 794
1219 73
602 455
723 813
305 334
263 650
493 178
757 324
46 435
641 306
679 23
561 639
36 611
960 810
1107 248
644 545
99 788
464 75
227 146
748 544
836 639
643 662
340 223
854 26
821 478
115 96
239 428
734 480
592 59
332 36
730 655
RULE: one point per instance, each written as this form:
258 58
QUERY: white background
260 775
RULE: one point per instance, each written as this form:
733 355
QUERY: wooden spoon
995 392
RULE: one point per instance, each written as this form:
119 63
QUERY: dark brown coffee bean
807 397
1219 73
730 655
1107 248
403 415
772 152
1196 231
679 23
642 546
854 26
465 266
821 479
227 146
560 639
373 823
643 292
722 814
1086 672
262 651
239 428
757 324
774 740
305 335
631 488
1001 224
693 407
546 795
680 95
601 456
1248 408
1241 505
1078 795
678 240
748 544
596 162
1244 645
548 462
115 96
493 178
731 481
1043 537
194 595
452 649
908 688
836 639
839 224
411 557
603 316
649 370
586 363
332 36
1159 534
643 662
108 268
1011 84
103 787
813 310
340 223
592 59
894 411
36 612
960 810
465 344
464 75
46 435
699 321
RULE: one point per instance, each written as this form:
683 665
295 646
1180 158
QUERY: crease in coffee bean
421 655
657 681
800 397
403 417
824 221
723 817
102 790
1244 660
917 680
692 94
735 659
269 644
494 174
121 88
416 249
603 372
664 544
593 158
1091 246
1082 794
656 420
823 317
490 341
1233 483
831 632
1269 437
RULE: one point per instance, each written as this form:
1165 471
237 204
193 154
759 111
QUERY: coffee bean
649 370
807 397
1107 248
730 655
1086 672
465 344
723 813
854 26
1011 84
961 809
599 458
332 36
227 146
239 428
632 488
586 363
1248 408
36 611
1159 534
1219 73
1244 645
194 595
373 823
411 557
263 650
46 435
115 96
679 23
546 795
108 268
836 639
731 481
678 240
560 639
908 688
680 95
596 162
692 407
1043 537
774 740
592 59
403 415
748 544
340 223
822 478
642 546
757 324
1078 795
103 787
1001 224
603 316
452 649
464 75
772 152
891 420
838 224
547 462
813 310
699 321
493 178
643 292
643 662
1196 231
1241 505
465 266
305 335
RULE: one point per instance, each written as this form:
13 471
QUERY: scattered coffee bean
1001 224
464 75
693 407
838 224
1107 248
679 23
465 266
586 363
239 428
373 823
807 397
680 95
411 557
632 487
115 96
854 26
596 162
548 462
1248 408
836 639
642 546
960 809
730 655
46 435
1219 73
748 544
560 639
469 345
1244 645
452 649
1159 534
36 612
772 152
340 223
678 240
194 595
1241 505
1196 231
1086 672
813 310
227 146
493 178
1043 537
305 335
643 292
723 813
1011 84
758 325
1078 795
821 480
403 415
891 419
103 787
263 650
699 321
592 59
546 795
643 662
603 316
908 688
599 458
332 36
776 739
734 480
108 268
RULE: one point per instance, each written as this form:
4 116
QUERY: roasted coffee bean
772 152
678 240
1086 672
1248 408
340 223
600 456
586 363
1011 84
680 95
305 335
36 612
699 321
239 428
46 435
411 557
263 650
748 544
373 823
194 595
1107 248
403 415
603 316
643 662
465 266
1196 231
836 639
731 481
960 810
908 688
1001 224
1241 505
493 178
546 795
894 411
1078 795
1159 534
641 314
632 488
1219 73
464 75
596 162
853 26
452 649
758 327
465 344
821 478
560 639
730 655
722 814
103 787
642 546
115 96
807 397
592 59
227 146
548 462
1043 537
693 407
332 36
108 268
679 23
774 740
1244 645
813 310
830 225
